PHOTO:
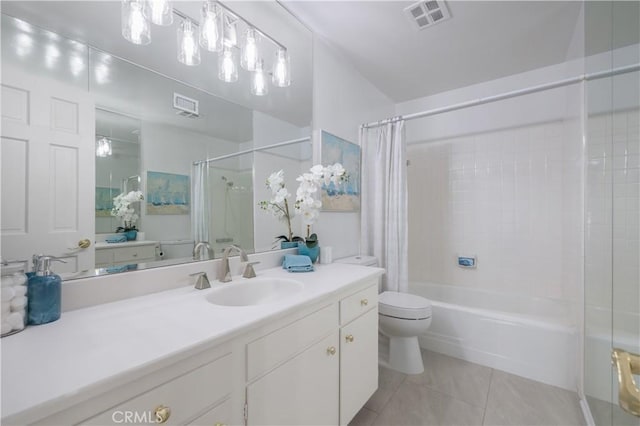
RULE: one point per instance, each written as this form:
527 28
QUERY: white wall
342 100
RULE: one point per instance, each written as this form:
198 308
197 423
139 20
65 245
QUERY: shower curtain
200 216
384 222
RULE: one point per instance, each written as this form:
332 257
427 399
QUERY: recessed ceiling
483 40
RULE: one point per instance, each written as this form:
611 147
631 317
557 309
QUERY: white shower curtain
384 219
200 215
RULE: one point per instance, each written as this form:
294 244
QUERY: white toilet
402 317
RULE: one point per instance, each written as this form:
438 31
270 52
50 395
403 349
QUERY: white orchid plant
307 203
122 209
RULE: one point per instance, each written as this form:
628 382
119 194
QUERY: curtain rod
507 95
248 151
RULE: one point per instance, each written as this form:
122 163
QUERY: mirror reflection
201 173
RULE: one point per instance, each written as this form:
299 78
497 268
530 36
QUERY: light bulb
227 66
189 49
209 32
103 148
281 69
249 56
259 86
135 26
160 12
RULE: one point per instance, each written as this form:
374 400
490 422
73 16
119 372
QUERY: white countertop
98 345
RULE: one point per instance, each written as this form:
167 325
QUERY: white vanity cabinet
125 253
313 363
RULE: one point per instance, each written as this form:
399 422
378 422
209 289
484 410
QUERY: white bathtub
530 337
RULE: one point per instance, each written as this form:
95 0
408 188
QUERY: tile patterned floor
455 392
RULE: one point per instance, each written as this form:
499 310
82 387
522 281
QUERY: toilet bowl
402 317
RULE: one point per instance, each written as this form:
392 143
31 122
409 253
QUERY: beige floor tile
365 417
460 379
388 383
415 404
514 400
605 413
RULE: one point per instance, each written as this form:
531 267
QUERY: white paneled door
48 170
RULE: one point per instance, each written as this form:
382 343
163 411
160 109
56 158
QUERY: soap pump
45 293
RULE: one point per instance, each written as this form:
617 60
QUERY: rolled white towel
21 290
5 312
7 281
15 320
18 303
6 327
19 278
7 293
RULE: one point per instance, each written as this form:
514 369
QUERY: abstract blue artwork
344 197
104 200
167 193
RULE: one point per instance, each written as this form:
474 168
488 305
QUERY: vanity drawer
268 351
355 305
219 415
104 257
123 254
185 396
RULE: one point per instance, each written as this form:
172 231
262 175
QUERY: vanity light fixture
228 65
160 12
103 147
135 26
259 85
249 58
209 27
281 76
217 31
188 45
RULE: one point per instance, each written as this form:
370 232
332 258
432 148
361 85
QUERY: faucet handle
202 282
249 272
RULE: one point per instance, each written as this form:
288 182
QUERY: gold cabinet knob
162 414
220 424
349 338
364 302
331 350
84 243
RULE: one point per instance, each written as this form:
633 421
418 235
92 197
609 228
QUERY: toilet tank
359 260
176 249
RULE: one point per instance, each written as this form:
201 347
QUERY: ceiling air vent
186 107
427 13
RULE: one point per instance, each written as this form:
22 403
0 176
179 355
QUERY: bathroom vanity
110 254
307 357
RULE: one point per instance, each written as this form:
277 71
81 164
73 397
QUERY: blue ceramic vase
131 235
312 252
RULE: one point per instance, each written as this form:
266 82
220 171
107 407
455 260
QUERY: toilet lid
403 305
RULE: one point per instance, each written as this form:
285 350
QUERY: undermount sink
256 291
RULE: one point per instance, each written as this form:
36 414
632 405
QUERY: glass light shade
103 147
228 65
160 12
230 31
281 76
135 26
259 83
188 46
249 57
210 27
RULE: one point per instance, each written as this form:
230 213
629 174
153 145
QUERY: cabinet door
358 364
302 391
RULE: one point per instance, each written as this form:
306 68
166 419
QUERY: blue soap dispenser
44 291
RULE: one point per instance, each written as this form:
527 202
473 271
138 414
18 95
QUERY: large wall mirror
114 125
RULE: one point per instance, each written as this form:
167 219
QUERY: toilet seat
403 306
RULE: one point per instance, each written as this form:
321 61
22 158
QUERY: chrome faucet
202 281
224 273
197 250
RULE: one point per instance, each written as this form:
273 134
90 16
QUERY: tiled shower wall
613 210
511 197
